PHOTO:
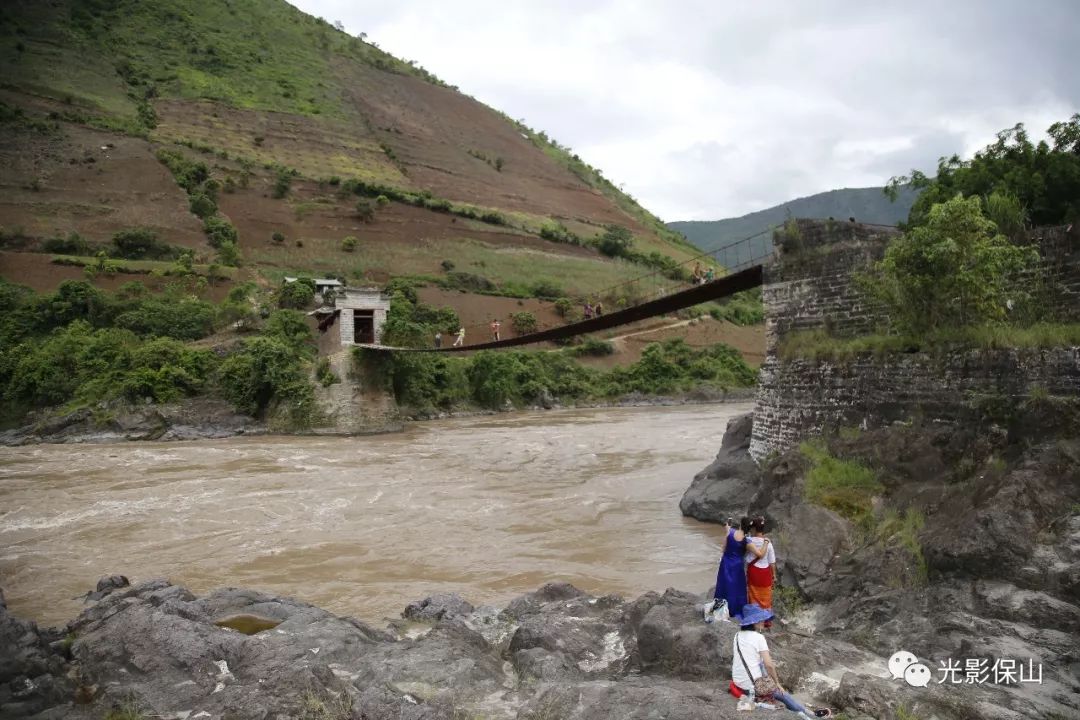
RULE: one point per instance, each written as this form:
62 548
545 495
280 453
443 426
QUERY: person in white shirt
761 566
751 660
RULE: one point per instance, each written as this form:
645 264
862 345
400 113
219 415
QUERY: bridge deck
746 279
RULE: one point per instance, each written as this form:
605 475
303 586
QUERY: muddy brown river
488 507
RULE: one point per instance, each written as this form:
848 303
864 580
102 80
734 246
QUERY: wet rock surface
197 418
970 553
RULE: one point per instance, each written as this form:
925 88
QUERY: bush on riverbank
80 346
426 383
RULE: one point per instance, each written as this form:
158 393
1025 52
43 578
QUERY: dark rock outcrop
191 419
554 653
725 488
972 550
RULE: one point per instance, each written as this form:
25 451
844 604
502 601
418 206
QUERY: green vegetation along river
489 507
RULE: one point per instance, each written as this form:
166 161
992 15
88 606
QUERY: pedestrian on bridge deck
495 330
599 309
588 311
460 340
438 340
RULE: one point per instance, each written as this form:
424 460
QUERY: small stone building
361 315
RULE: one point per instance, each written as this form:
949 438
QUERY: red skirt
759 585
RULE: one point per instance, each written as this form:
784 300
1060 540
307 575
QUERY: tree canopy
1042 178
952 271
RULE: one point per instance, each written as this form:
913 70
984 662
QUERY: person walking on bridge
495 329
598 308
588 310
438 339
460 340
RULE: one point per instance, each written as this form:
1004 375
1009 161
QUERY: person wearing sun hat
751 661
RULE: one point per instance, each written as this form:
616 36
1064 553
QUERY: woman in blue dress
731 577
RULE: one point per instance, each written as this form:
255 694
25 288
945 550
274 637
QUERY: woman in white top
761 566
751 660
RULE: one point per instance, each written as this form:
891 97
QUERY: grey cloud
705 109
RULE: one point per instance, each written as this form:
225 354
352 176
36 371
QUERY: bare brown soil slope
93 92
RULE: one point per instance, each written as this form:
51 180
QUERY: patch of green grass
743 308
789 599
844 486
247 53
904 531
128 710
820 345
507 266
147 267
313 707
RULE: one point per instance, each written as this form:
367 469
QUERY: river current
488 507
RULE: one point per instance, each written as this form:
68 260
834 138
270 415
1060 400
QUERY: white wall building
361 315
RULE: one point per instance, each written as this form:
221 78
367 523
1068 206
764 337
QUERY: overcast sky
705 109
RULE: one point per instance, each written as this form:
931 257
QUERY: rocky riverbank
967 549
193 419
156 650
207 418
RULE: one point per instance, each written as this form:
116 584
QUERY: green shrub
73 244
557 232
492 218
844 486
188 174
229 254
564 307
324 374
447 265
348 244
546 290
184 319
615 242
166 370
382 201
593 347
365 211
523 322
141 244
296 295
278 237
291 327
457 280
219 231
282 183
202 206
438 205
744 308
955 270
268 372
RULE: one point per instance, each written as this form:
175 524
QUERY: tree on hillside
615 242
1044 178
954 270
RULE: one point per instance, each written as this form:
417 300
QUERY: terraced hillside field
301 149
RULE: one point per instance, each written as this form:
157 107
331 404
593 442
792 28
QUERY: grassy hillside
864 204
294 124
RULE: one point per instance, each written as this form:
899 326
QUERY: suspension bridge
736 267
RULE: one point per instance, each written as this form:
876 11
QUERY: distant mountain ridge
864 204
